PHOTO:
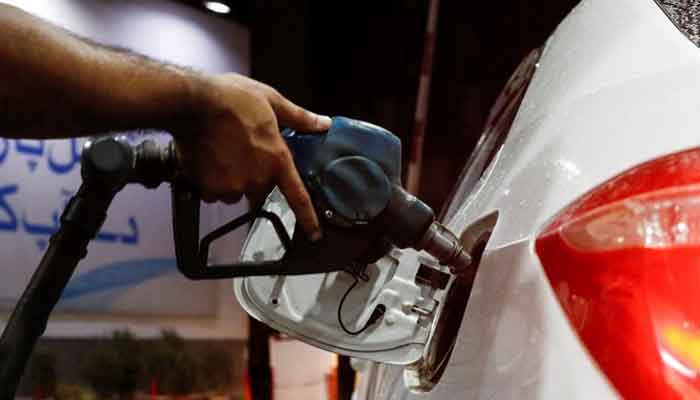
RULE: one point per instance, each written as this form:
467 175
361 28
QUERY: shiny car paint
617 85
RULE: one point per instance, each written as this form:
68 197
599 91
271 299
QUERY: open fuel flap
385 313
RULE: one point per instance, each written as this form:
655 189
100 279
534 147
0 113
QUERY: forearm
53 84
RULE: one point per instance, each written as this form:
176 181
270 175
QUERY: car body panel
617 85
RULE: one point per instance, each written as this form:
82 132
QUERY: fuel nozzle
441 243
353 175
411 223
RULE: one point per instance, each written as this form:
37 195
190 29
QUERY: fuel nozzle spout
442 244
411 223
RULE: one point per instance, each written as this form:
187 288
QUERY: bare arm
54 84
57 85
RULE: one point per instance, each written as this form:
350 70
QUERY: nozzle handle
192 256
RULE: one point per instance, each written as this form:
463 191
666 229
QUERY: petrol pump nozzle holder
353 175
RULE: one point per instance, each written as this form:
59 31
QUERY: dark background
362 59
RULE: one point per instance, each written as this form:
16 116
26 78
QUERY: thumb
295 117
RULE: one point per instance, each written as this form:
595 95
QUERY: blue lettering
39 229
33 148
5 149
10 223
64 167
132 238
105 236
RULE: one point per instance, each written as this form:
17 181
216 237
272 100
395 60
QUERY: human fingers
296 117
298 198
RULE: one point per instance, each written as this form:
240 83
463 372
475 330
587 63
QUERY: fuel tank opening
423 375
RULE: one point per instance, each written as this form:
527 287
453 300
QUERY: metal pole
416 155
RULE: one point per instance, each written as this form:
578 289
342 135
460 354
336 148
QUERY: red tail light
624 262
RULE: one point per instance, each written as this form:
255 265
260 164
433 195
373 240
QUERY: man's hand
226 126
235 148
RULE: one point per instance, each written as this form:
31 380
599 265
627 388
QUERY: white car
581 205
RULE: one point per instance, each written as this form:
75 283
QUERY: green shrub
115 366
217 368
73 392
121 365
42 373
176 370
